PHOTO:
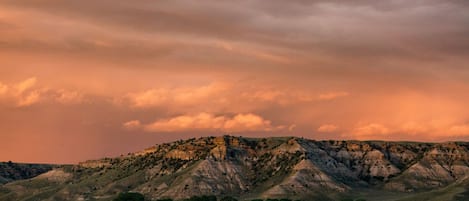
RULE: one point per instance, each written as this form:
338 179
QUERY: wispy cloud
132 125
180 95
25 85
21 94
333 95
3 89
69 97
370 131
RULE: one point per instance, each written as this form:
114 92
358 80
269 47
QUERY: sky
89 79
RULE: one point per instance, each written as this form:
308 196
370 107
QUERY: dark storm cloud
332 41
352 28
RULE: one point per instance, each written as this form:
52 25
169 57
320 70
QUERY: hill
251 168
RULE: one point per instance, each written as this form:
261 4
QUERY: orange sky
86 79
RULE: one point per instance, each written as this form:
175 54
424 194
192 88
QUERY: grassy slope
454 192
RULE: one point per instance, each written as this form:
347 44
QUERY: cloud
276 96
191 94
247 122
211 122
69 97
414 128
25 85
278 23
149 98
371 131
289 96
132 125
25 93
28 99
328 128
3 89
333 95
218 97
28 92
22 94
178 95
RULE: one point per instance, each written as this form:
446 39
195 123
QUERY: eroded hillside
250 168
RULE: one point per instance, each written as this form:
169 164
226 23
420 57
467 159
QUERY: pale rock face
291 146
327 163
183 155
210 177
219 152
460 171
432 171
146 151
304 179
95 163
308 175
421 176
378 166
